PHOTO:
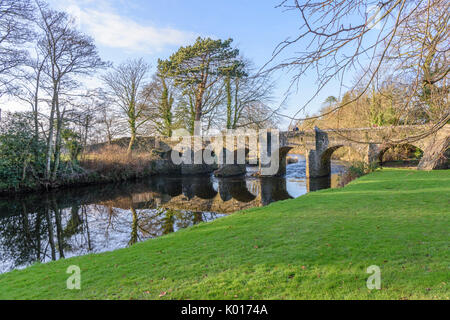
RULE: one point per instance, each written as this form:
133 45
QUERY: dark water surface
77 221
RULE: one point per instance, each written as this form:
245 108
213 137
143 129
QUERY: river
49 226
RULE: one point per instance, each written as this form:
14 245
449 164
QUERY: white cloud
110 29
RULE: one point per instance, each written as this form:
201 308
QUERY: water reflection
50 226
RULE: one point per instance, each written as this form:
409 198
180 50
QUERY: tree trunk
199 102
35 113
229 111
166 106
132 138
57 143
86 130
50 138
108 131
132 122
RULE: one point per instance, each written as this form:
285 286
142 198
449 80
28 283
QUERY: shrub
72 143
22 156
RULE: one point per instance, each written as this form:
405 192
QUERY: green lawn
314 247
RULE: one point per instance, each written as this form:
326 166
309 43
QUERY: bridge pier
195 163
272 153
318 162
315 167
231 162
372 153
277 164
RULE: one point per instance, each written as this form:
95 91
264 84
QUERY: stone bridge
370 143
270 148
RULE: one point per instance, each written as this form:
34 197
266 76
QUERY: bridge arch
326 155
412 151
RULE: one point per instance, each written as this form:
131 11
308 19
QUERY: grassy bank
316 246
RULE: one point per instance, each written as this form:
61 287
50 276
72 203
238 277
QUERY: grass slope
316 246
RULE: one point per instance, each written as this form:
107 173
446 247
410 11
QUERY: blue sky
156 28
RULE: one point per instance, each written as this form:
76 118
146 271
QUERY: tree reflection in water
51 226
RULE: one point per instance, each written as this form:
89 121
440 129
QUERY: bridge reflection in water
44 227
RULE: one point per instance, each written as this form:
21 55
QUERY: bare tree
247 92
94 117
419 54
29 82
255 116
161 96
111 123
126 82
70 54
15 16
85 114
339 37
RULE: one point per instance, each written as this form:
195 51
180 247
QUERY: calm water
65 223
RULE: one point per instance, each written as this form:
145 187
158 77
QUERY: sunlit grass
314 247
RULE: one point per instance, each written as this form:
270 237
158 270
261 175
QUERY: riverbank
315 247
75 180
97 171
